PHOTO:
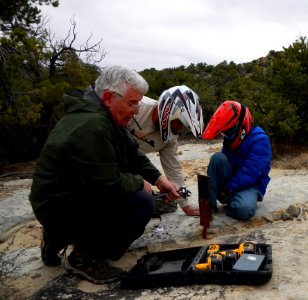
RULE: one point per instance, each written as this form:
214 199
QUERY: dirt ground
28 234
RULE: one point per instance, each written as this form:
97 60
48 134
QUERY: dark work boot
50 248
163 207
95 270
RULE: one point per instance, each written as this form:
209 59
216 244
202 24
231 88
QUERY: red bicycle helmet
232 119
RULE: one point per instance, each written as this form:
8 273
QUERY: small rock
276 216
286 216
268 218
294 210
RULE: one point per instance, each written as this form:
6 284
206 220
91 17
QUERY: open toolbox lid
180 267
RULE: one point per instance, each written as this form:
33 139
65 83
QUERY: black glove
224 196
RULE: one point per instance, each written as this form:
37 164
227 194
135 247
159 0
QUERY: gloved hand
191 211
224 196
166 186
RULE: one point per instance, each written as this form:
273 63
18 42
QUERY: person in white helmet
156 128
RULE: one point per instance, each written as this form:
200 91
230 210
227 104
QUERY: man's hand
166 186
191 211
147 187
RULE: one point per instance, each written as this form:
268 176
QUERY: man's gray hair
118 78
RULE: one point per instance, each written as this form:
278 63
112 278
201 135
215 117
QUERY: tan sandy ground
289 240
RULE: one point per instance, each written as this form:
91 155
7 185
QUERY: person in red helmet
239 173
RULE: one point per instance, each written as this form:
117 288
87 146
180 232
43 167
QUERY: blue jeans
241 205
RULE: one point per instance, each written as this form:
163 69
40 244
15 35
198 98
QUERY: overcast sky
169 33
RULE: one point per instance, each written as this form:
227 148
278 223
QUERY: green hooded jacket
86 157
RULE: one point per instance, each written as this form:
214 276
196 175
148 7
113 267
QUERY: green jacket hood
77 101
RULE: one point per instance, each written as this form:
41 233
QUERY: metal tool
183 191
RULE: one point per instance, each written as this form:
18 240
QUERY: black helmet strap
242 114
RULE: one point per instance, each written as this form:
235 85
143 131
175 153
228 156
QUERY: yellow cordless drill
217 260
213 248
213 262
246 247
230 257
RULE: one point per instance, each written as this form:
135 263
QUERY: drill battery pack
245 264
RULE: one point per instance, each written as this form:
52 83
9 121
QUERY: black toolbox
179 267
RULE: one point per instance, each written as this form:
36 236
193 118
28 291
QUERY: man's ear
106 98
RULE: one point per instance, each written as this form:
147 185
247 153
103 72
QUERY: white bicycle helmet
182 103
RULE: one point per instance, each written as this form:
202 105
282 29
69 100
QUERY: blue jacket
250 162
